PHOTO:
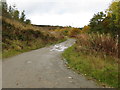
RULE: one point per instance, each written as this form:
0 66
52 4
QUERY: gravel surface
42 68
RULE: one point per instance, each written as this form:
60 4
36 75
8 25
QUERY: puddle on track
59 48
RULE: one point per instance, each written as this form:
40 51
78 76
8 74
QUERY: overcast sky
76 13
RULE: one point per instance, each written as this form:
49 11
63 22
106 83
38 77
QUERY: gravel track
42 68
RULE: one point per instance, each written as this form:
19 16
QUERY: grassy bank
104 70
13 52
18 37
96 56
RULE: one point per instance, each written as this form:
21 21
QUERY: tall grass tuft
95 55
106 44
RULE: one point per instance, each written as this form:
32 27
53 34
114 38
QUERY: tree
22 18
114 10
114 13
108 22
28 21
4 9
96 22
10 10
16 15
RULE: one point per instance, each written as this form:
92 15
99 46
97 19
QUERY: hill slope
18 37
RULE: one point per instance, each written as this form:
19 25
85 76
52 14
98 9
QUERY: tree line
13 13
106 22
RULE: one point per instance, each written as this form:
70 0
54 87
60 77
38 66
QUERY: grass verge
103 70
13 52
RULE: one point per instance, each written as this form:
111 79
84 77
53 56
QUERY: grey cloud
83 9
61 8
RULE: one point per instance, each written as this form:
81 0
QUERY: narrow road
42 68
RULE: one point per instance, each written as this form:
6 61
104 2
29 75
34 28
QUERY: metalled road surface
42 68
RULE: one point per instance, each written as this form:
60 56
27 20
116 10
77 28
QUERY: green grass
13 52
103 70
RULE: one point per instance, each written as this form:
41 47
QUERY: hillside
19 37
49 27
